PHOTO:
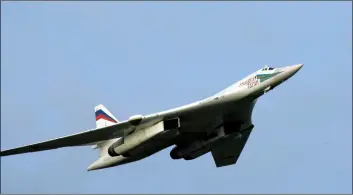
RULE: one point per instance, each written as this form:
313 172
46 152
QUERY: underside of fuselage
198 126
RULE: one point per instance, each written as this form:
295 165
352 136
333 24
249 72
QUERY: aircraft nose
297 67
291 70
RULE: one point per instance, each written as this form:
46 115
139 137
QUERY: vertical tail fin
104 117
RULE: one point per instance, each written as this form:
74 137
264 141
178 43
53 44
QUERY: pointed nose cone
298 67
291 70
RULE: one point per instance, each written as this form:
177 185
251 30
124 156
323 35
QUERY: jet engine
129 142
139 136
195 148
200 147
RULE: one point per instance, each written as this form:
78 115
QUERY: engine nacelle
122 146
199 147
116 144
197 153
178 153
175 154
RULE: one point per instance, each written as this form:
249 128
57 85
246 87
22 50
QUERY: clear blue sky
60 59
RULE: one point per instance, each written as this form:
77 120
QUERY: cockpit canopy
267 68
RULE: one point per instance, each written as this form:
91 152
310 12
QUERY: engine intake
111 151
173 123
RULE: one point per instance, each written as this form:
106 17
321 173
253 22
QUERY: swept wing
84 138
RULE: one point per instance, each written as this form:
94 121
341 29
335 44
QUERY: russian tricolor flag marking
100 114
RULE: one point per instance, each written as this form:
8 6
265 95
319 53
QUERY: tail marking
100 114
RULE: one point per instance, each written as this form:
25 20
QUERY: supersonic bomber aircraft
220 124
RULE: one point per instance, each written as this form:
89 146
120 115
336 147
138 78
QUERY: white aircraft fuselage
224 102
220 124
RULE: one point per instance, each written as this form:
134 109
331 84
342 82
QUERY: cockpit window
267 68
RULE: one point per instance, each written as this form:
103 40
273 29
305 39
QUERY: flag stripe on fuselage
264 77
